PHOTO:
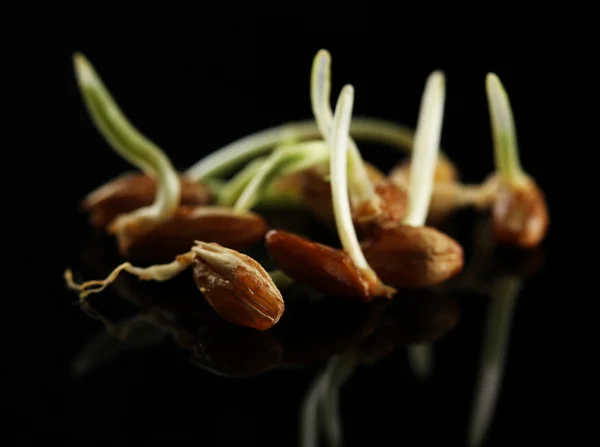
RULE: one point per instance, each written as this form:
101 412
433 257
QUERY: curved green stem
294 157
127 141
424 156
232 189
230 157
506 151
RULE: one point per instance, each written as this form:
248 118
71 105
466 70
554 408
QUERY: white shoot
339 179
425 150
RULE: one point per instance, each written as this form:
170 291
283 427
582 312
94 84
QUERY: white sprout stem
506 151
229 157
493 356
296 154
425 150
361 189
127 141
339 179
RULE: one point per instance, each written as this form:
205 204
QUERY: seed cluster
205 217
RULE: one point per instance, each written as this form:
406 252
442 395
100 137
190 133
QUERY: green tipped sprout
425 150
232 189
129 143
500 312
228 158
506 151
286 159
361 189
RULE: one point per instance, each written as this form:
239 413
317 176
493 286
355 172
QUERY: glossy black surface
196 380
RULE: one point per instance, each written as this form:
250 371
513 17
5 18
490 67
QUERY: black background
199 82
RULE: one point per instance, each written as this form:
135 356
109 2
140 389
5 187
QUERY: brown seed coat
242 292
132 191
406 256
520 215
323 268
236 230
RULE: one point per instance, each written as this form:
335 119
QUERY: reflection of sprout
144 329
321 402
493 356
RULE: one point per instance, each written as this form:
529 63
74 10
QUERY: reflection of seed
132 191
236 286
233 229
406 256
520 215
323 268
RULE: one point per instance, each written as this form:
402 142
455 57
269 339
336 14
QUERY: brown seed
236 286
520 215
163 241
394 203
405 256
131 191
316 192
323 268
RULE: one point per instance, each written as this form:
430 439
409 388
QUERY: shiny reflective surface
331 372
181 377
